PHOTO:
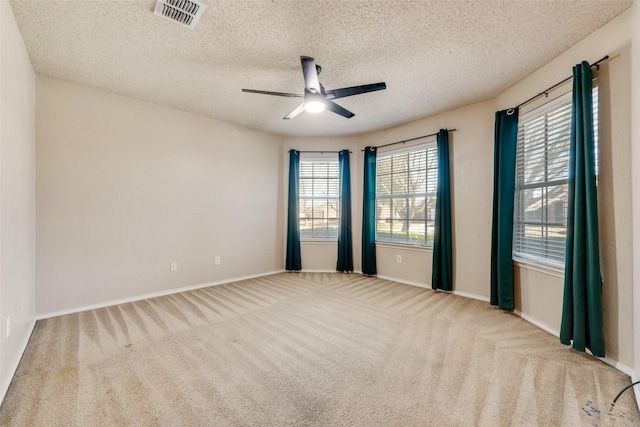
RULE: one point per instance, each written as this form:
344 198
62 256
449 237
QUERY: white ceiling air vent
185 12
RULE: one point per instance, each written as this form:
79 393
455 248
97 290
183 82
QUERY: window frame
552 265
430 196
313 198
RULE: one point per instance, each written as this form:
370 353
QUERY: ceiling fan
316 98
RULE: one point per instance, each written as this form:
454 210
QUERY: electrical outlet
217 260
399 259
8 326
173 266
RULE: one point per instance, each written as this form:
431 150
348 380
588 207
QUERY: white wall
125 187
17 195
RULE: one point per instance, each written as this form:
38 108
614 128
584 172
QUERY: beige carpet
308 350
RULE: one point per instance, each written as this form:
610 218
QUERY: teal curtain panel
293 261
442 272
582 303
504 183
369 212
345 242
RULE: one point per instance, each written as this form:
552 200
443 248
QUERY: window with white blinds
319 198
406 195
542 166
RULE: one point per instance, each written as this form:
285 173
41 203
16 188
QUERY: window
319 198
542 166
406 195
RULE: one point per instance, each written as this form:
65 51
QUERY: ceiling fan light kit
314 106
316 98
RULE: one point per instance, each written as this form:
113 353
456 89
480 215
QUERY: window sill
406 246
529 264
319 241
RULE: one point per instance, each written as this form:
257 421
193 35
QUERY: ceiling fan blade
310 72
299 109
264 92
332 106
354 90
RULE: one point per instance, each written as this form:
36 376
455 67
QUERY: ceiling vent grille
184 12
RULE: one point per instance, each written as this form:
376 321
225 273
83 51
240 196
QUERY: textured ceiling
433 55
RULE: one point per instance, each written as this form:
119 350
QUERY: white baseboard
405 282
533 321
636 389
428 286
472 296
619 366
304 270
14 366
151 295
4 387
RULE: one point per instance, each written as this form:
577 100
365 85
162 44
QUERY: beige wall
17 195
471 159
539 295
635 162
472 147
323 255
126 187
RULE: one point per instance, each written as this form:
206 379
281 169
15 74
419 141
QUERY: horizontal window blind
319 199
542 166
406 195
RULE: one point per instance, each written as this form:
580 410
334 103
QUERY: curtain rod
321 152
412 139
546 92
